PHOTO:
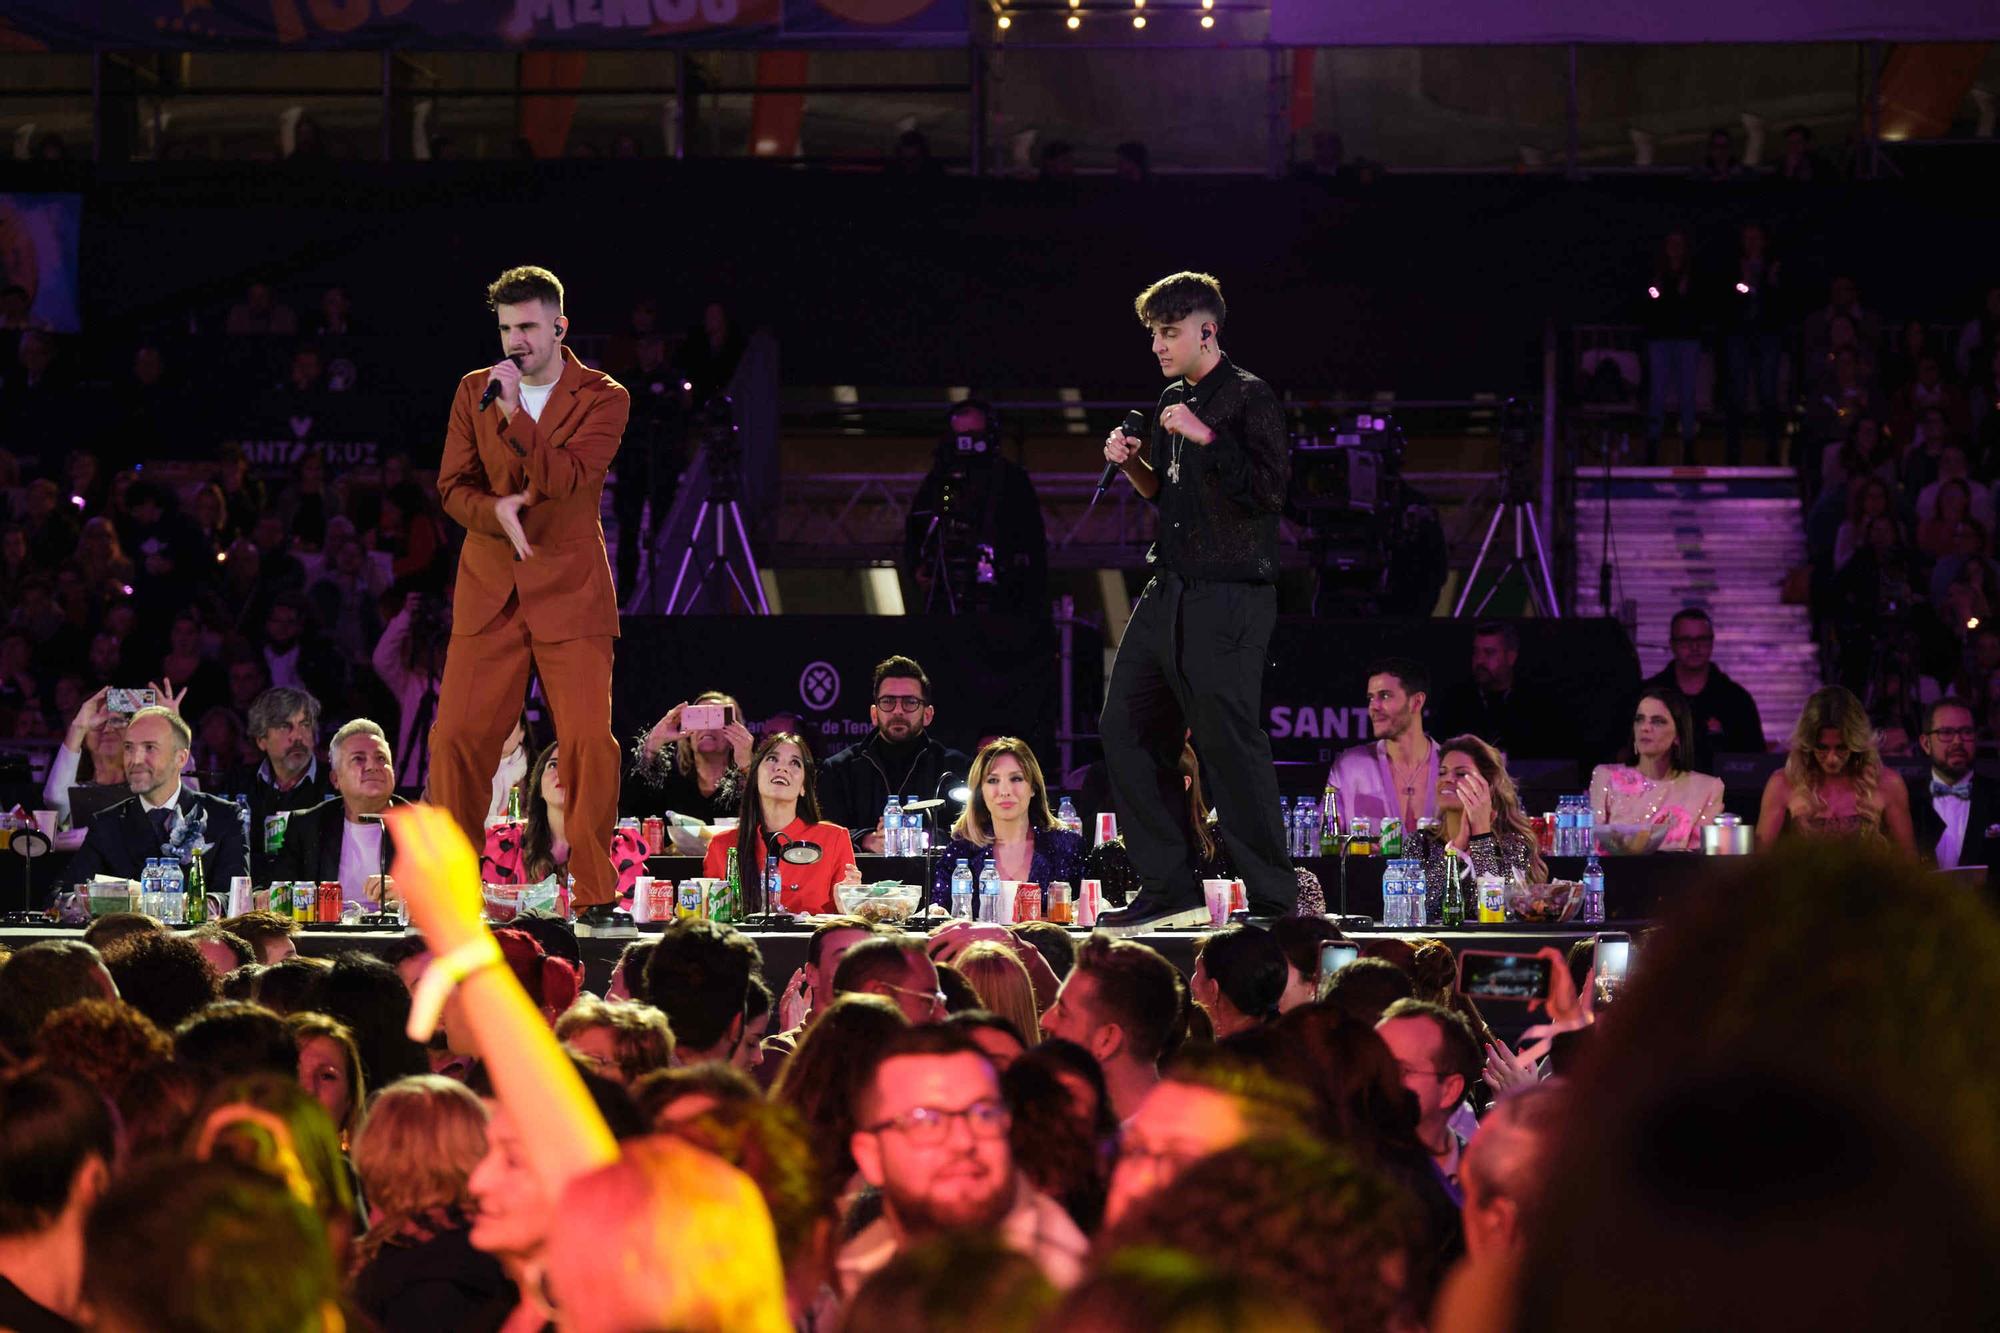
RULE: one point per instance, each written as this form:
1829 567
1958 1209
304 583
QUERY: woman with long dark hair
1655 783
541 848
780 811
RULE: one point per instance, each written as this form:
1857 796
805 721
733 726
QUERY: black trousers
1193 660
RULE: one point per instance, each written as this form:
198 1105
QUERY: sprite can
281 899
1392 836
274 832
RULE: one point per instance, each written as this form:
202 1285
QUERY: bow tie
1962 790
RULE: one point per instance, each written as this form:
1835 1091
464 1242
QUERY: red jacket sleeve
462 483
558 471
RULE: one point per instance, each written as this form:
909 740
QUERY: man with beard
284 724
898 759
128 834
932 1138
1396 776
1496 705
1958 822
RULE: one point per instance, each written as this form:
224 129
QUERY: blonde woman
1479 819
1002 983
1007 822
1833 783
416 1268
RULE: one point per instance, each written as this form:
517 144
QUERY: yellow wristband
441 978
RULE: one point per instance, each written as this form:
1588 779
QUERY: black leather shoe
604 921
1149 911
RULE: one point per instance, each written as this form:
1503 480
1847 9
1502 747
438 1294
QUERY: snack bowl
885 903
1630 839
1544 904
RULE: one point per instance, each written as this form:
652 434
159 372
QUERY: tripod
723 516
1530 559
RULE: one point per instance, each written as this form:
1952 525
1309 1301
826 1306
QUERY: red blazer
565 588
801 888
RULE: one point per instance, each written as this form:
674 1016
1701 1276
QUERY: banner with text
459 25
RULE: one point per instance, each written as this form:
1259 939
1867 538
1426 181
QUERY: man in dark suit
126 835
345 839
1956 816
1496 705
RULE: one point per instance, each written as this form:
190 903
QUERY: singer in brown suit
525 476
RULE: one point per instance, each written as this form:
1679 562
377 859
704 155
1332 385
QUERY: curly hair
163 976
820 1080
1293 1216
525 282
1510 822
1833 709
414 1153
640 1036
766 1142
103 1042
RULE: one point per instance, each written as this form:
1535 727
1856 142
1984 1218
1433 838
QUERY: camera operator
975 540
409 657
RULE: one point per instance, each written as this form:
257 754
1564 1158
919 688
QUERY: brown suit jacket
561 459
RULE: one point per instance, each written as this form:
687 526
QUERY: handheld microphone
1134 426
493 385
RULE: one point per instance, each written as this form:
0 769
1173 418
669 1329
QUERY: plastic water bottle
173 889
1566 826
1392 893
961 891
1417 915
1593 890
892 828
1067 817
149 887
989 894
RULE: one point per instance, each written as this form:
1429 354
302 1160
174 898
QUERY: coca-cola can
329 901
1027 901
653 832
1237 900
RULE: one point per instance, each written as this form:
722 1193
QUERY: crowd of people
992 1128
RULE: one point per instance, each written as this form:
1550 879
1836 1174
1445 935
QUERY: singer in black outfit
1193 655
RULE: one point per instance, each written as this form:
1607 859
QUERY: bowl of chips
1544 904
1631 839
885 903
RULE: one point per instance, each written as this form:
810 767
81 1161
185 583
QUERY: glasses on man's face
1952 733
936 997
900 703
928 1126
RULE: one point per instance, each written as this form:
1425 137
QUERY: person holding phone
97 732
1479 820
1834 783
780 816
1653 785
692 760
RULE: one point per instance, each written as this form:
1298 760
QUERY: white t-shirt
533 396
360 857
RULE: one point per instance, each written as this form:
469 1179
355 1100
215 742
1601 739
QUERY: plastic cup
1107 826
45 820
642 899
1216 891
1089 894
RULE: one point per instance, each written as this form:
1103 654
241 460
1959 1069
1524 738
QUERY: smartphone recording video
1485 975
1334 955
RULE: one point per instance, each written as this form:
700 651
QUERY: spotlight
1208 4
1743 289
1138 20
1653 292
1208 20
1074 22
1006 22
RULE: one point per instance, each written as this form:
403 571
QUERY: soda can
1492 899
691 900
329 901
1027 901
1392 836
642 900
1089 893
1238 900
660 900
1107 826
274 832
1361 836
260 900
305 901
716 905
653 832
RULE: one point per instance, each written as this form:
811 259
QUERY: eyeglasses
1953 733
900 703
928 1126
936 997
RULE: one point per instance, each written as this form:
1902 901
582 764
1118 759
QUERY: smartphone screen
1503 976
1613 961
1334 955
